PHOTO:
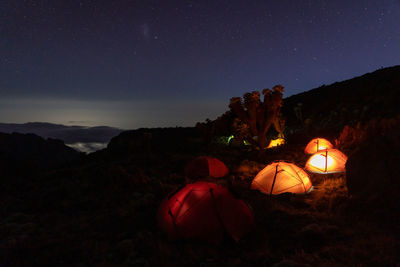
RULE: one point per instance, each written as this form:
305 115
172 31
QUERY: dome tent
205 211
327 161
281 177
205 166
276 142
316 145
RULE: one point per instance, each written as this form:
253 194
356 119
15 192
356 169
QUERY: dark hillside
154 140
372 95
29 150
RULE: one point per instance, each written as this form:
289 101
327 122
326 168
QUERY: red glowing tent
205 211
205 166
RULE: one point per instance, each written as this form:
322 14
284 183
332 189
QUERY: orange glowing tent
205 166
327 161
316 145
281 177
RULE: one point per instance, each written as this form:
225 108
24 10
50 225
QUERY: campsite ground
102 211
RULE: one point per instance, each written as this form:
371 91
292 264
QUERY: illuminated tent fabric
281 177
205 211
276 142
316 145
205 166
327 161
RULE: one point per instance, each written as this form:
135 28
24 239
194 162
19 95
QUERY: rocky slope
373 95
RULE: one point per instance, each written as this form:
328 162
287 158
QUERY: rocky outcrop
372 170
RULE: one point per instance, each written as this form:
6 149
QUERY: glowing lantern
281 177
316 145
276 142
327 161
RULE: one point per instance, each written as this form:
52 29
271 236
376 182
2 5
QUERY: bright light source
327 161
276 142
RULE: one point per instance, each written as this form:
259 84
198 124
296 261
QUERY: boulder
372 170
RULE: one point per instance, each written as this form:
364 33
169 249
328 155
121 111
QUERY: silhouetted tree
256 117
206 130
222 126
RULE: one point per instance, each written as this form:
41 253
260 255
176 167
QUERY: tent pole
173 220
273 183
326 160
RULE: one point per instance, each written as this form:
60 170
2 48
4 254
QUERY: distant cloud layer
88 147
125 115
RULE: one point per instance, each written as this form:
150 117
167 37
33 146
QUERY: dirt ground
102 212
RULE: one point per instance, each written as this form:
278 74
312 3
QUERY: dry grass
115 205
329 195
247 170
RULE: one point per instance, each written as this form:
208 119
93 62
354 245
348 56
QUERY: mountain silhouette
69 134
29 152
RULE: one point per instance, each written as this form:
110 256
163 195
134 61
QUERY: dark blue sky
165 63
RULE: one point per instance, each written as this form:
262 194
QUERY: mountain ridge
68 134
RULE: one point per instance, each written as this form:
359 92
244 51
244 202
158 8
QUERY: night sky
164 63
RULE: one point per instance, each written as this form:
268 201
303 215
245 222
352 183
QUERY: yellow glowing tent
316 145
280 177
276 142
327 161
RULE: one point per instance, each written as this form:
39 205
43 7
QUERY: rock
372 170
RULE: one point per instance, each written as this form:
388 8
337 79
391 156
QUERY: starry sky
147 63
